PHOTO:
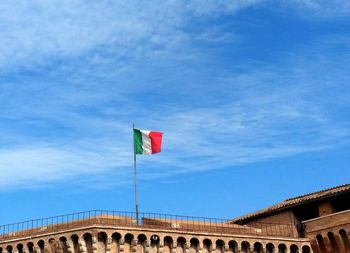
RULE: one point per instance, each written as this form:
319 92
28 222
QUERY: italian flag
147 142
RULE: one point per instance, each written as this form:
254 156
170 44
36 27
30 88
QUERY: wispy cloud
74 76
322 8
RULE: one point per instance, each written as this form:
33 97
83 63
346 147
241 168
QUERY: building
318 222
323 217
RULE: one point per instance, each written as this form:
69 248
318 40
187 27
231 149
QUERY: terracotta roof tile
294 202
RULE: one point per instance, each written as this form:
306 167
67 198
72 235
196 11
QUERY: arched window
181 243
294 248
141 243
53 245
245 247
128 238
168 244
115 243
155 240
306 249
194 244
333 242
30 247
88 242
219 246
233 246
257 247
154 243
41 245
128 241
75 240
19 248
9 249
207 245
282 248
63 244
320 243
345 239
270 248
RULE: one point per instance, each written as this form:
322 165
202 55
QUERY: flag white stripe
146 142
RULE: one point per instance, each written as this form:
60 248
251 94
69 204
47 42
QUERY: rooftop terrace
146 220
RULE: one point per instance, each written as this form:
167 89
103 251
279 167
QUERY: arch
75 240
194 245
0 249
282 248
63 244
207 244
116 236
19 248
257 247
41 244
168 244
233 246
53 245
141 239
87 237
115 243
141 243
155 239
30 246
344 239
305 249
270 248
168 240
181 243
128 238
294 248
219 246
9 249
245 246
181 240
101 242
333 242
320 243
128 242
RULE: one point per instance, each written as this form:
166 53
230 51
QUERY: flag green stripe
138 141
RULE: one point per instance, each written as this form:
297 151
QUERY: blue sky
253 98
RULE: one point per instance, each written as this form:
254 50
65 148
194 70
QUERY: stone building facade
292 226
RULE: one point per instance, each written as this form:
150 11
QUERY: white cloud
75 119
34 31
37 165
324 8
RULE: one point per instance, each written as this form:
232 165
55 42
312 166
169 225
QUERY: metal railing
147 220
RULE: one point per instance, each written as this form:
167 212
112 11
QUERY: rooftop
288 203
130 220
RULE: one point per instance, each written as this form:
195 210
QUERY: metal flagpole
135 179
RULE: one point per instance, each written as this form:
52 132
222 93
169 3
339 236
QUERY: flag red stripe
156 141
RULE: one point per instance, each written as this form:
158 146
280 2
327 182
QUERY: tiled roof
294 202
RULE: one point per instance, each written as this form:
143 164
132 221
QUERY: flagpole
135 179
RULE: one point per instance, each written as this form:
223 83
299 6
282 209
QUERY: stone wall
107 239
